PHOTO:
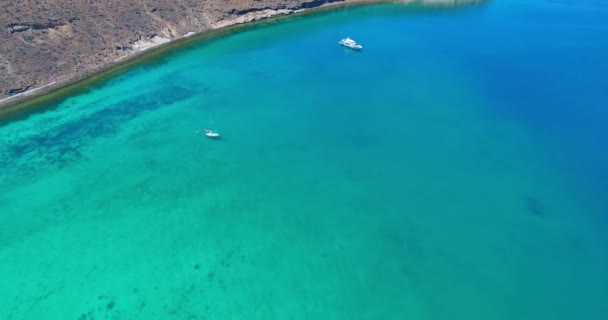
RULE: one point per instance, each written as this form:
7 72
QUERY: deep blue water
544 65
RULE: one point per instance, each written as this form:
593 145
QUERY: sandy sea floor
395 183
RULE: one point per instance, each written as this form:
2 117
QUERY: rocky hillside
54 41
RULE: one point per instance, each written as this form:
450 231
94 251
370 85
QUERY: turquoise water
456 168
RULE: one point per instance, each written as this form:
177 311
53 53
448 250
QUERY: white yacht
350 43
212 134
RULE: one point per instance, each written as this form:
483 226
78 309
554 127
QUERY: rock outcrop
56 41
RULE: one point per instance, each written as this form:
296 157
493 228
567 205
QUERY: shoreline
147 51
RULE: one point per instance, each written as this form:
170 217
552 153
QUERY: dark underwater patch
62 146
534 206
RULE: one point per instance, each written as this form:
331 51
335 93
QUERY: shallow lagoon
454 168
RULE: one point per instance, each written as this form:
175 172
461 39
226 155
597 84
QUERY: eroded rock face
46 41
55 40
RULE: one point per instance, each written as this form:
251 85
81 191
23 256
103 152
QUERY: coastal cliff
46 43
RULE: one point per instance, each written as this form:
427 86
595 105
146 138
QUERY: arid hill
53 41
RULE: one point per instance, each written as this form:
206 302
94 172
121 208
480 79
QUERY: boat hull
354 47
211 134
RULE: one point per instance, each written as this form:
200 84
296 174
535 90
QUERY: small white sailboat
212 134
350 43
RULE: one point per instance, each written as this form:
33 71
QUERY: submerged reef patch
534 206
